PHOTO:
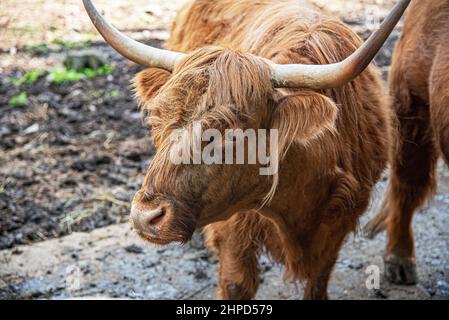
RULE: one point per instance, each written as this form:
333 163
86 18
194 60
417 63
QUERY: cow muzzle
147 221
160 221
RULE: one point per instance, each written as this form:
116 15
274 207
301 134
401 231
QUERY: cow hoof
400 270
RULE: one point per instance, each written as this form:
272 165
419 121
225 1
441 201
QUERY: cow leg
439 100
326 246
237 244
238 273
412 181
316 287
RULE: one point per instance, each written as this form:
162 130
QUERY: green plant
105 69
37 48
58 76
97 93
29 78
90 73
113 94
19 100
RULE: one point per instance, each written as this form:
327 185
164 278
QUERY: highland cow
264 64
419 88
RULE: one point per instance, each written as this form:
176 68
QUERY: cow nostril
153 217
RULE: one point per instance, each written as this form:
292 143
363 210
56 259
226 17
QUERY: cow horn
135 51
337 74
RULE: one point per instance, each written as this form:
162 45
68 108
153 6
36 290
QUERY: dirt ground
112 263
72 157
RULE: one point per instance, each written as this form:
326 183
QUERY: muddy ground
112 263
73 155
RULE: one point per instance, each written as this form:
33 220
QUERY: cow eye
243 118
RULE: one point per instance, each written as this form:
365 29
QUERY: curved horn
129 48
337 74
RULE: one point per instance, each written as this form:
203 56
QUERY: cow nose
145 219
151 218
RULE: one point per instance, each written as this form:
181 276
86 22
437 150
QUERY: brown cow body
340 140
419 87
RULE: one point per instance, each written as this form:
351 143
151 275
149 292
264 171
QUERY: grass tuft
29 78
58 76
19 100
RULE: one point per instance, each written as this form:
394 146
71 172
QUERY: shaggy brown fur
419 86
334 143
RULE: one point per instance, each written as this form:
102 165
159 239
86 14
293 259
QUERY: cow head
223 89
219 89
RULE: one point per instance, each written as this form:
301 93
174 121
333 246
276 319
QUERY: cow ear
302 117
148 82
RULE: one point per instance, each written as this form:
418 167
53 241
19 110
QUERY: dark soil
68 158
